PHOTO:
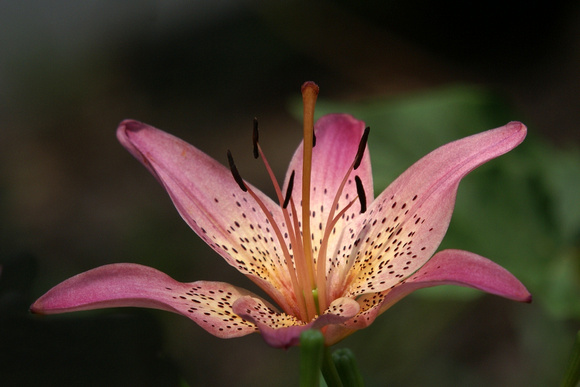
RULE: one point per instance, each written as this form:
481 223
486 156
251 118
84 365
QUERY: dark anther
361 195
289 191
235 172
361 147
255 135
313 139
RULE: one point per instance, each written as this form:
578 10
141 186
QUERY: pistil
309 94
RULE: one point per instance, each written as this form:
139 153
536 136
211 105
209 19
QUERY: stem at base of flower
311 355
338 369
331 376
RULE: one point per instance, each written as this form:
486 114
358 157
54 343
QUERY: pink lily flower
329 261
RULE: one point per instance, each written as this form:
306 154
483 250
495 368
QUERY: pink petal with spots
209 304
406 223
280 330
211 202
337 140
458 267
447 267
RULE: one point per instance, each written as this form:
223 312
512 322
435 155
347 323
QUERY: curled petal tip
126 126
518 128
516 125
130 124
35 308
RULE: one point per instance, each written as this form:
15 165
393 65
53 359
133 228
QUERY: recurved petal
464 268
209 304
406 223
337 141
211 202
447 267
458 267
283 331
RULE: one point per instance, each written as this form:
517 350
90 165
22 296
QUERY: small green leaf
572 375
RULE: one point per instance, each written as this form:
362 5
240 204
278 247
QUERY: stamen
289 191
361 195
235 173
321 263
293 263
361 148
238 178
255 136
285 251
321 273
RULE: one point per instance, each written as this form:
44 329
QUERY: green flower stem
347 368
311 355
338 370
573 372
331 376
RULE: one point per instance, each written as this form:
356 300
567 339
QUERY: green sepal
347 368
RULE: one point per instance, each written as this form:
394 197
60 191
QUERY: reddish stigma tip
310 87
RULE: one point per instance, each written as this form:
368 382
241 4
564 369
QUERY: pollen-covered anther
235 173
289 191
361 148
361 195
255 138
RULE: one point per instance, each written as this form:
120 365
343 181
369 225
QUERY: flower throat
307 273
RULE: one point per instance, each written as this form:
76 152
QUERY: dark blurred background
421 73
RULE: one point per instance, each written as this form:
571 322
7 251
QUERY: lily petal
213 205
407 222
209 304
283 331
463 268
337 140
447 267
